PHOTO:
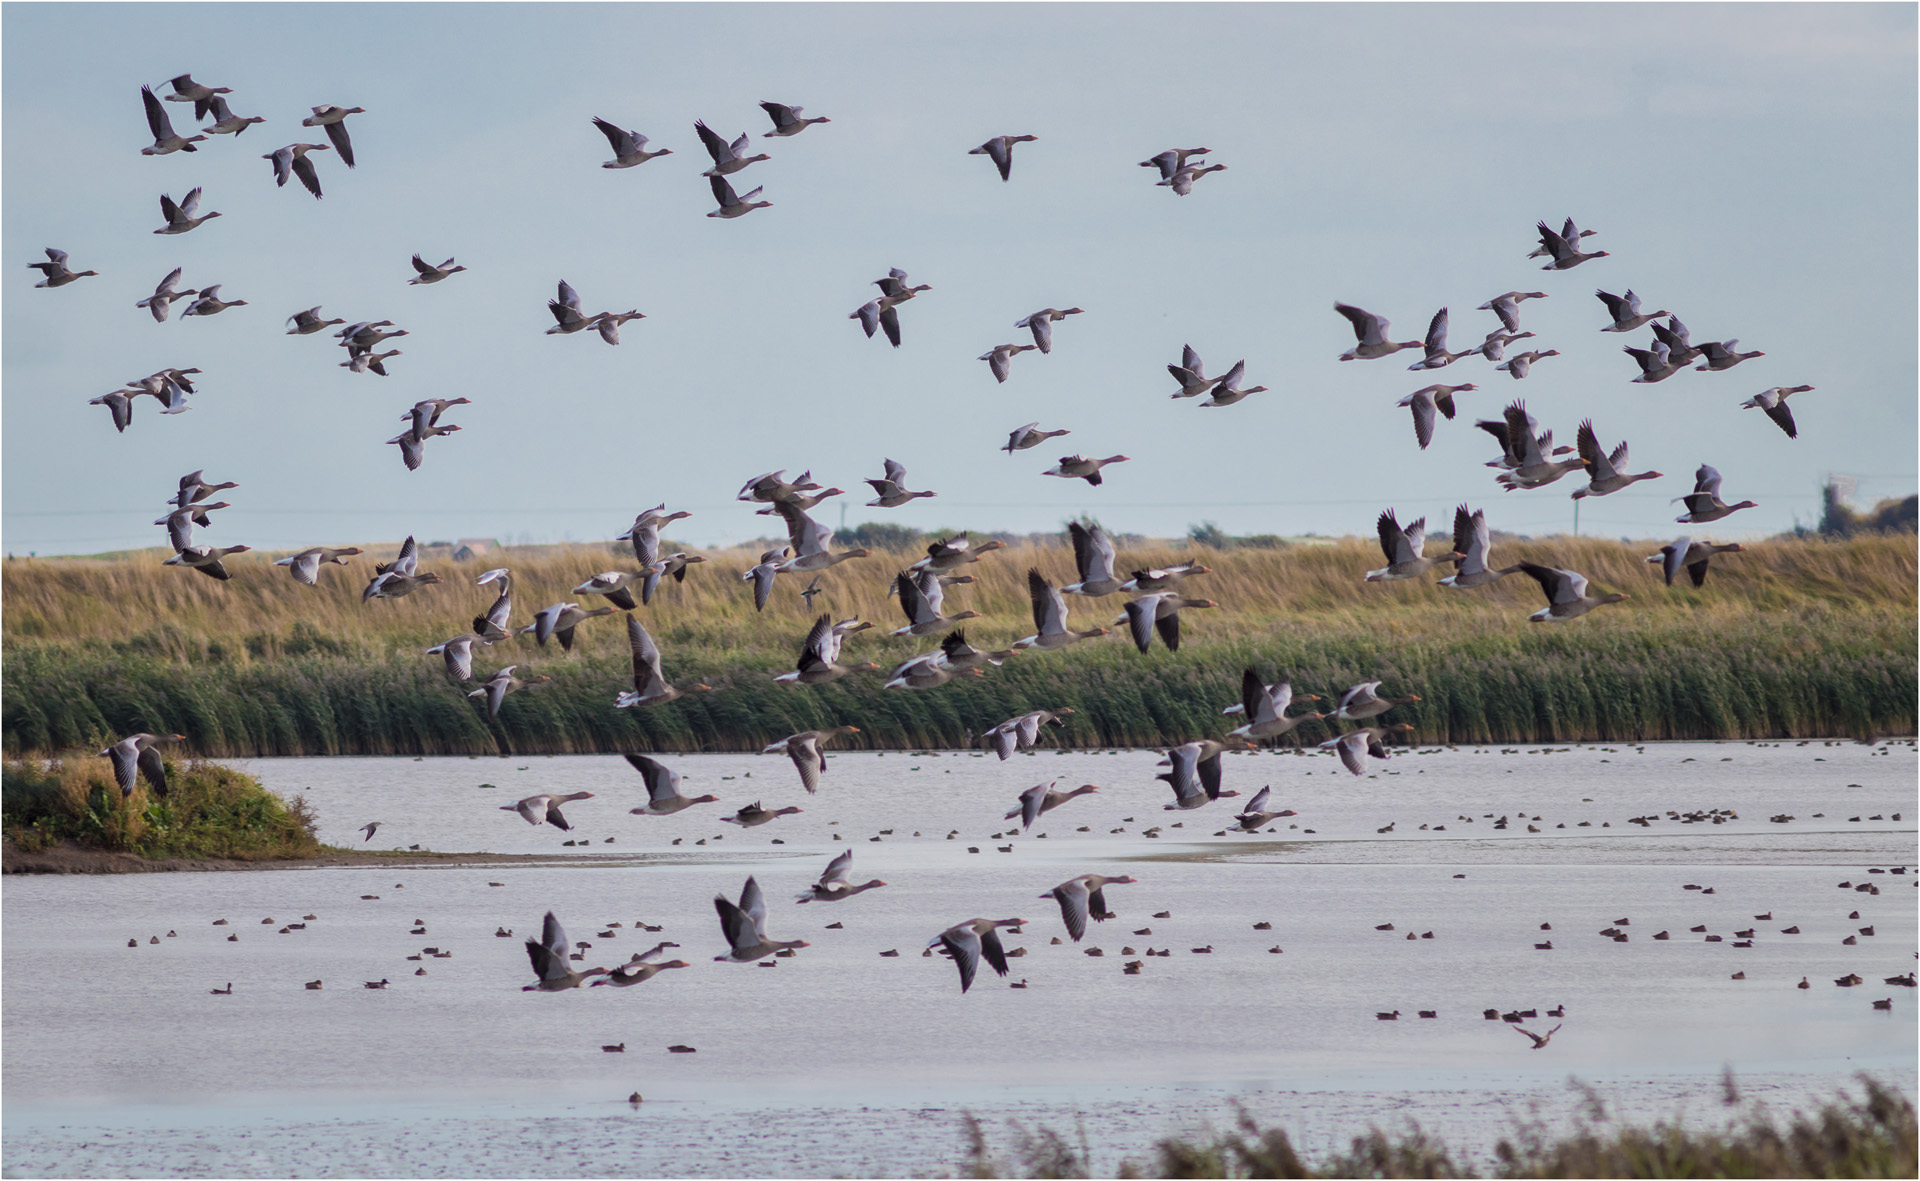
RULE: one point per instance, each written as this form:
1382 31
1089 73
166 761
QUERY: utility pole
1576 518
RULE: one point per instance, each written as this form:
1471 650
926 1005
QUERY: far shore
71 857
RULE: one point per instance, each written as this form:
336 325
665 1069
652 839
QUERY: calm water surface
119 1062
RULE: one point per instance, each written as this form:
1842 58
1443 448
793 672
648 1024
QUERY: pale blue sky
1750 167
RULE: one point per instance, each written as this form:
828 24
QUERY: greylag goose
614 584
1000 358
1625 310
549 956
559 620
955 658
1355 746
165 141
1191 373
728 158
804 749
1774 402
428 273
194 488
161 301
375 363
1093 557
1567 595
292 161
967 942
1158 611
833 885
820 655
412 441
1079 467
1172 160
364 338
1470 538
184 216
1364 701
812 542
663 788
1507 306
894 289
672 566
1704 503
1438 357
1030 435
1568 231
753 815
56 271
1265 708
874 316
210 304
1521 364
399 577
639 970
1227 391
1193 771
1426 402
567 315
1721 355
171 395
1605 472
649 687
771 489
763 574
535 809
135 756
644 536
629 147
1535 467
500 684
1494 348
206 559
1255 814
1041 324
787 120
1000 150
1023 731
495 624
1040 799
609 323
922 599
426 412
1566 252
955 552
458 653
120 404
309 322
1081 898
745 927
1161 578
732 204
181 521
186 90
334 119
1403 549
1675 336
1371 331
1693 556
1050 617
891 489
804 503
1181 182
225 122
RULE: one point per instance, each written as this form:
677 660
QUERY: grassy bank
1792 638
209 811
1870 1136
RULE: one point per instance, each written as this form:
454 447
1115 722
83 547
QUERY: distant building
469 548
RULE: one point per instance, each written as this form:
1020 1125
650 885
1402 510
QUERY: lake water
841 1061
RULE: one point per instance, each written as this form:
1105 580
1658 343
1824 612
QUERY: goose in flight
732 205
1371 331
1079 467
922 598
186 90
1625 310
1567 594
1363 701
1676 337
1521 364
184 216
194 489
967 942
458 654
549 955
1605 472
180 522
161 301
763 574
833 885
745 926
428 273
391 580
787 120
494 624
640 969
309 322
1704 503
412 441
1692 556
209 303
535 809
1721 356
568 317
956 658
1533 465
1030 435
820 655
663 788
225 122
812 542
136 756
1041 323
1023 732
1050 617
1436 346
649 687
615 584
1158 612
1471 539
1568 232
165 141
804 749
120 404
1403 549
1000 358
206 559
1172 160
894 289
292 161
753 815
1494 348
629 147
305 565
1255 814
1539 1039
728 158
1081 898
1191 373
334 119
1161 578
1040 799
1774 402
1265 708
1507 306
370 362
1181 182
1426 402
1193 771
953 553
56 271
1000 150
1565 251
1093 558
500 684
891 489
874 316
1227 391
1355 746
559 620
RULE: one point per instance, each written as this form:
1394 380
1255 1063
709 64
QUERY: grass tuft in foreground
210 811
1870 1136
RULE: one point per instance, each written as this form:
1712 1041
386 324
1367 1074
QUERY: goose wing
837 869
1049 609
1166 621
1259 801
735 924
1394 540
663 782
808 760
1558 584
1254 702
820 646
1073 898
1140 619
1437 332
126 763
807 536
647 680
1209 771
1369 328
1598 466
1423 415
1031 801
1181 776
1352 749
753 904
157 121
622 142
716 147
964 946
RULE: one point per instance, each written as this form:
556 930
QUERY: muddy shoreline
70 857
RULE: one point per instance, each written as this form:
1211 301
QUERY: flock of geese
1528 460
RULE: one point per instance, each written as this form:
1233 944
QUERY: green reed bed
209 811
